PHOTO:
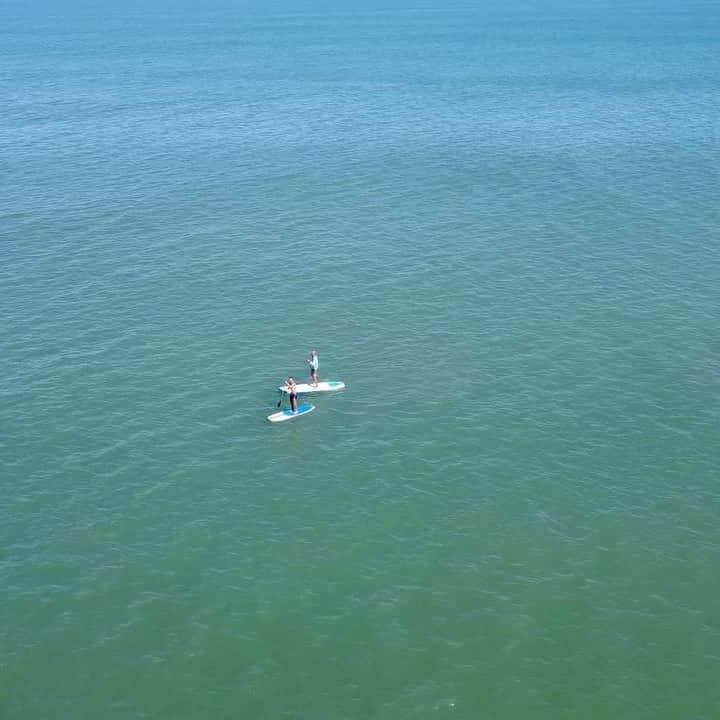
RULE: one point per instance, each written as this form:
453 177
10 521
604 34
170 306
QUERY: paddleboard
325 386
288 414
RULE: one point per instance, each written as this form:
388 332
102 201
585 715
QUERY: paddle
282 394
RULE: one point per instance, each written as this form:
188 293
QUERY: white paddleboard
324 386
284 415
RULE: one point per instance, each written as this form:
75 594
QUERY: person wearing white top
314 364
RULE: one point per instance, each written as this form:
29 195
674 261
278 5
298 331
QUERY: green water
499 228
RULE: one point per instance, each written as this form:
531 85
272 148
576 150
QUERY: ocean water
497 222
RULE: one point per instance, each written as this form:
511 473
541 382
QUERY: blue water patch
499 220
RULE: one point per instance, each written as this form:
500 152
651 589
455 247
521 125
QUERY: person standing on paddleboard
292 391
314 364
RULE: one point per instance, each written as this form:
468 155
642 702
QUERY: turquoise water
498 225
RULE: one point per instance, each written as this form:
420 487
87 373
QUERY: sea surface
498 223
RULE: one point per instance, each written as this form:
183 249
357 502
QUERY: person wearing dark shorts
292 391
314 364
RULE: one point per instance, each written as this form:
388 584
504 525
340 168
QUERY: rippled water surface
498 225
